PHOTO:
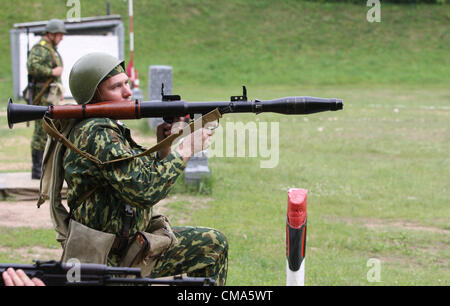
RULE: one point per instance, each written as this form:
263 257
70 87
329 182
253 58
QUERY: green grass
21 237
24 238
382 160
267 42
203 187
376 172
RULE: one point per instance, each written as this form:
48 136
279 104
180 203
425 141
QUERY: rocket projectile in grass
296 237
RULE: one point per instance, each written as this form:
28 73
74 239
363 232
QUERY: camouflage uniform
42 59
201 252
140 182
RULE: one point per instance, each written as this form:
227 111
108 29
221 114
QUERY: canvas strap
41 92
51 130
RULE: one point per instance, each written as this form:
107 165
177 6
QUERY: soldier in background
45 68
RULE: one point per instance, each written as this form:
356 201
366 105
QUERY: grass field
376 175
376 172
268 42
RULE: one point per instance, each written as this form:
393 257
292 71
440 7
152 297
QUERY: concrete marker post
296 237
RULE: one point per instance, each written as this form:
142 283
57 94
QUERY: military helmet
88 72
55 26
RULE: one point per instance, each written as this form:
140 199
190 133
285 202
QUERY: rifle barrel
55 273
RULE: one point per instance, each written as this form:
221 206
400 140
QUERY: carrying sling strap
41 92
51 130
52 182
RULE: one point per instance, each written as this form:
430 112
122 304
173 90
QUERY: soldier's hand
57 71
194 143
162 131
19 278
166 129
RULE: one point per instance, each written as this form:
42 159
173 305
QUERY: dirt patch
399 224
16 141
180 218
26 213
30 254
374 223
17 166
433 252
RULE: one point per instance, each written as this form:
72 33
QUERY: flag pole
131 71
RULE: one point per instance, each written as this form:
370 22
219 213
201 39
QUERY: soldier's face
56 38
116 88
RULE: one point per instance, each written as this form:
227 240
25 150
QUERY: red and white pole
131 71
296 237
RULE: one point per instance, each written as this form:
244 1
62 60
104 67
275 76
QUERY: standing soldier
45 68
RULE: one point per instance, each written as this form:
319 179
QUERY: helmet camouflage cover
88 72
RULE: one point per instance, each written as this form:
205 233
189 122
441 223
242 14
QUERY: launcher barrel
137 109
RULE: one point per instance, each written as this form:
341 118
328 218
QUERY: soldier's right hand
57 71
194 143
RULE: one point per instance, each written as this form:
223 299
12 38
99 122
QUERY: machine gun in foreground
54 273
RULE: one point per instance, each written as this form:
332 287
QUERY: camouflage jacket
42 59
141 182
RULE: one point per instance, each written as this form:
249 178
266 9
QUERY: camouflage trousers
39 138
200 252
